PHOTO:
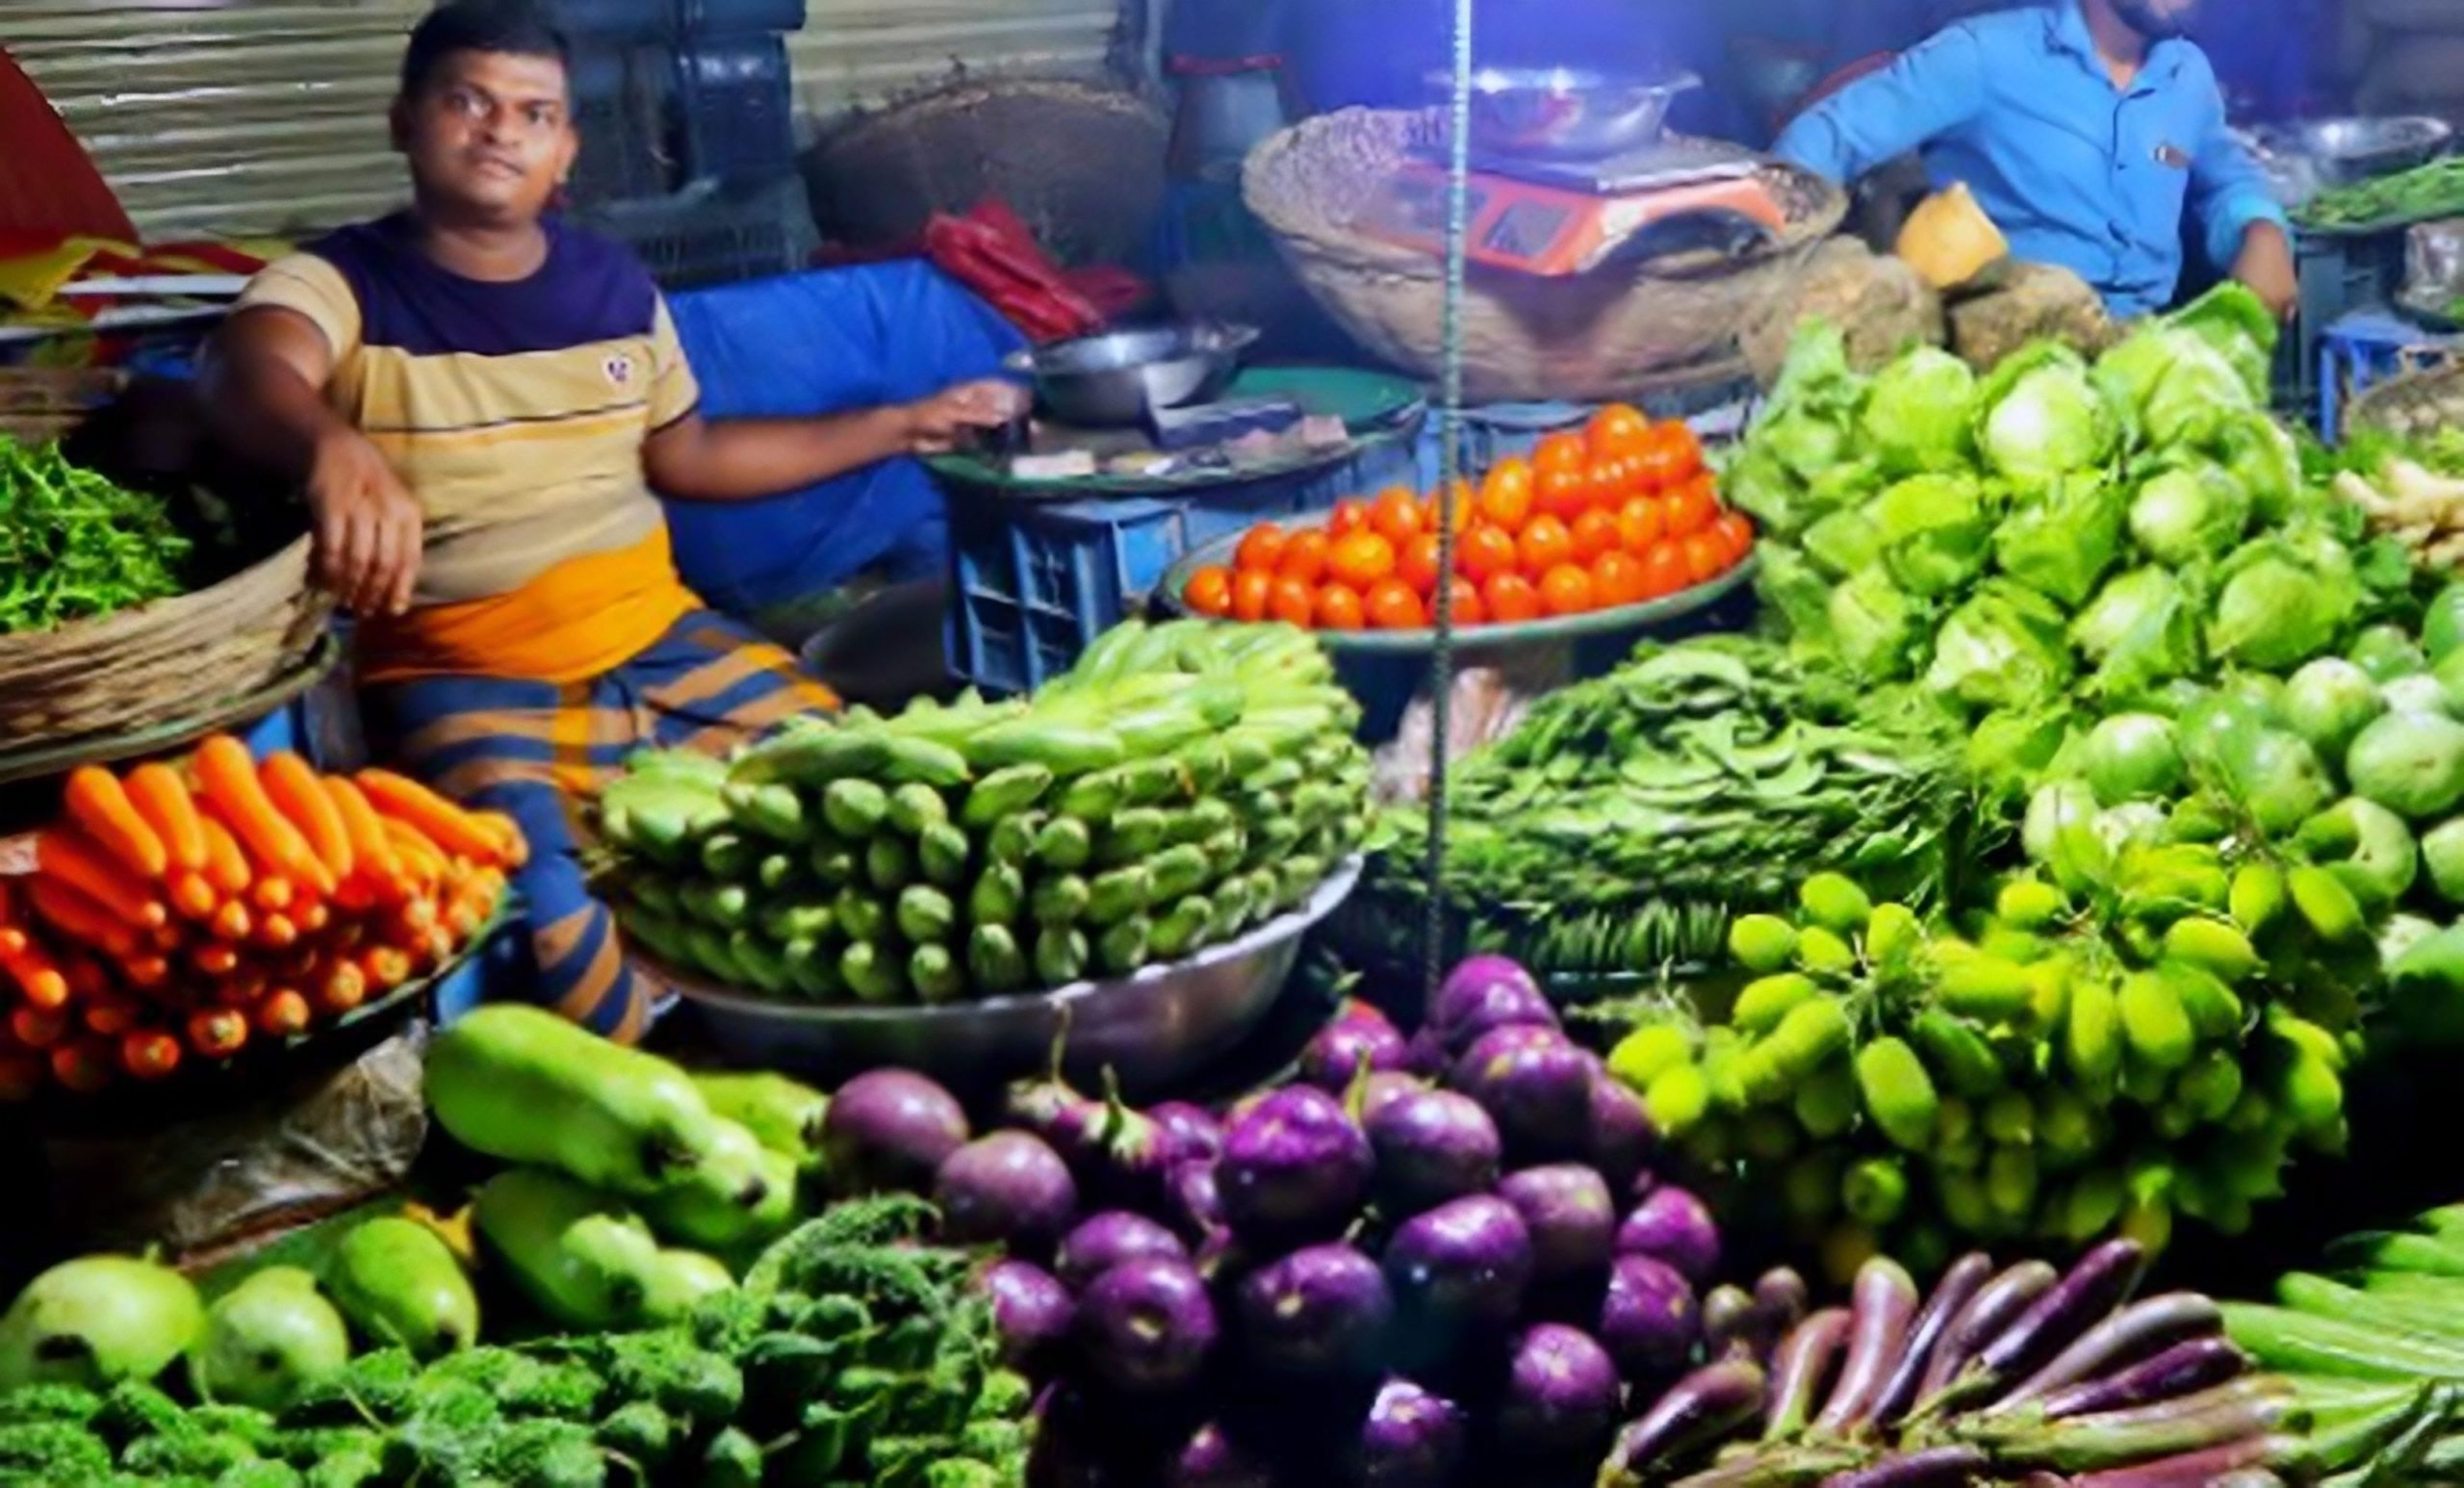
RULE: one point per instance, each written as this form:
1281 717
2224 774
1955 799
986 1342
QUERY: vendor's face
490 135
2156 19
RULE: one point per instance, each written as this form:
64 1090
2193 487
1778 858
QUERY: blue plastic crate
2368 348
737 18
734 109
1033 582
2338 276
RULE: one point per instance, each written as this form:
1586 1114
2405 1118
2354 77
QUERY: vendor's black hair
513 28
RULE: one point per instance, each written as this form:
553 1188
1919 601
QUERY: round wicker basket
1587 337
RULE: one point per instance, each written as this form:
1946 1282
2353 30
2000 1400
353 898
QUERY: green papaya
580 1257
522 1085
97 1321
268 1340
744 1193
681 1282
399 1283
782 1115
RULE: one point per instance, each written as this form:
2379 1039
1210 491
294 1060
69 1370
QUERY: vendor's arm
739 459
1931 90
264 379
2241 222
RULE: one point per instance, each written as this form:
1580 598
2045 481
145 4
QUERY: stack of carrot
187 910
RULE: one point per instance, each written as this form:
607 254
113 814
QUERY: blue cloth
826 341
2074 171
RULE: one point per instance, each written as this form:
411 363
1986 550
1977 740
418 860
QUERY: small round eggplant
890 1130
1118 1155
1674 1226
1147 1326
1192 1205
1385 1087
1466 1019
1213 1459
1347 1047
1537 1088
1294 1168
1648 1319
1032 1309
1111 1239
1561 1394
1008 1187
1317 1312
1572 1219
1623 1139
1431 1146
1412 1439
1194 1134
1462 1267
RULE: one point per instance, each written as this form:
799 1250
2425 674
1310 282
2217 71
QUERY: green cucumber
1181 870
653 891
775 872
834 864
813 966
1234 902
871 973
763 966
725 855
1206 762
1005 792
1061 957
1133 834
999 896
914 808
935 975
713 953
1058 901
814 758
861 916
942 853
1246 751
730 906
1065 844
1064 748
659 934
1122 892
994 960
925 915
1182 929
1226 851
1275 779
1203 820
774 812
921 761
889 863
855 809
1095 798
1159 730
793 920
1012 842
1149 781
1299 878
1275 836
1123 948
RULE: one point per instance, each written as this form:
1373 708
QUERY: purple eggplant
1294 1168
1147 1326
2123 1338
1119 1155
1213 1459
1032 1309
1695 1412
1885 1302
2185 1368
1424 1054
1561 1394
1996 1306
1043 1105
1008 1189
1192 1205
1431 1146
1317 1312
1571 1219
1349 1046
1464 1265
1412 1439
1948 1467
1194 1134
1474 983
2095 1286
1501 1005
1647 1318
1622 1138
1800 1367
1383 1088
1959 1283
1781 1296
1114 1238
890 1130
1674 1226
2238 1464
1729 1321
1536 1087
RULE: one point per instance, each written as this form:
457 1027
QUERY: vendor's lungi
540 752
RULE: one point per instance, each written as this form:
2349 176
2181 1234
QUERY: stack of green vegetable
74 544
1629 817
2416 195
1182 783
2376 1352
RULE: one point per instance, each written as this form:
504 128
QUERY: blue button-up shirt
2073 170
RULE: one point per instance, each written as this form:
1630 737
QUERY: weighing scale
1558 219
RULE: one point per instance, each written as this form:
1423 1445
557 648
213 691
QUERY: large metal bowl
1110 380
2355 149
1565 112
1155 1028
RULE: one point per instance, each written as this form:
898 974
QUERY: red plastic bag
992 252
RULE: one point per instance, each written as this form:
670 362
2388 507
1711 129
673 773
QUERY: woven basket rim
157 615
954 97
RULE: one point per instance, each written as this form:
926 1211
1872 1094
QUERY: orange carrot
22 1076
273 894
312 917
295 792
37 1030
218 1032
214 958
413 918
149 1053
438 820
340 988
385 966
276 932
38 977
87 977
229 780
82 1066
241 987
79 917
162 798
96 800
370 852
192 895
513 849
233 922
283 1015
69 856
146 973
111 1016
420 858
226 865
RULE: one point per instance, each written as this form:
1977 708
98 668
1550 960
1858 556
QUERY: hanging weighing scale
1558 218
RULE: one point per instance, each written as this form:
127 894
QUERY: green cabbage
2271 775
1844 542
2042 416
2131 757
2411 764
2188 514
2197 392
2062 542
2141 631
1785 582
2366 845
2254 450
1916 419
2011 749
2236 324
1934 532
2283 601
1756 483
1874 626
2330 701
2002 649
2120 608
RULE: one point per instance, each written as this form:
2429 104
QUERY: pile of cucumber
1181 784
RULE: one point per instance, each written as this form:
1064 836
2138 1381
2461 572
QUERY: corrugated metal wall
261 116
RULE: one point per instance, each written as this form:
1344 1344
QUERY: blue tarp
826 341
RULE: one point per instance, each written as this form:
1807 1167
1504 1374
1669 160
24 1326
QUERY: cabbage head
2041 417
2010 750
1844 542
1934 530
1794 588
1874 626
2002 649
2254 450
2197 392
2141 631
2061 542
2121 606
1758 484
2281 601
2188 514
1916 419
2236 324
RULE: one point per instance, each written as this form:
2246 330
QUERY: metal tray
1152 1029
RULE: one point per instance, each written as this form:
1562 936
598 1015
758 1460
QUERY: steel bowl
1153 1029
2356 149
1565 112
1112 380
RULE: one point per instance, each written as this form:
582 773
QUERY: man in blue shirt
2085 129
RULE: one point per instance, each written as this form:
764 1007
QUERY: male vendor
480 400
2084 128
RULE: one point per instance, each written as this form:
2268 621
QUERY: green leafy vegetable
1916 419
2042 416
74 544
2062 541
2003 648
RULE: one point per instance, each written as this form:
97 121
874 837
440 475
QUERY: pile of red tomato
1618 514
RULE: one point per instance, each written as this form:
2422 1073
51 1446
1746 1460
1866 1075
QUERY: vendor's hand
2266 265
368 525
935 425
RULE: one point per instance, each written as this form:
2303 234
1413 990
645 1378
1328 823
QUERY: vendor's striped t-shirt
515 411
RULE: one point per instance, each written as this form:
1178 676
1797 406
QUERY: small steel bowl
1565 112
1112 380
2356 149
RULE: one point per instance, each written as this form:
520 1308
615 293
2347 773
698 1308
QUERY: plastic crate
715 232
737 18
2368 348
620 108
1034 582
2338 276
734 110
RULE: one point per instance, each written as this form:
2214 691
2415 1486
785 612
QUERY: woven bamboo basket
179 658
1587 337
2410 406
